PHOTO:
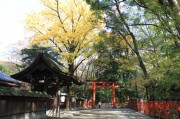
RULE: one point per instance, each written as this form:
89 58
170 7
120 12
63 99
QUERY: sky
12 32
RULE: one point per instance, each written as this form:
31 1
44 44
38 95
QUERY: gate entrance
103 84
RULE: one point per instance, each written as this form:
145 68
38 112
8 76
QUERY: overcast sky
12 15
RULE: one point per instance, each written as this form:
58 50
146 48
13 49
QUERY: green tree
114 62
120 18
113 58
3 69
151 31
29 54
164 45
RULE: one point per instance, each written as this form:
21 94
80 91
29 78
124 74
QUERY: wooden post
113 95
85 103
68 98
178 108
57 105
94 95
59 101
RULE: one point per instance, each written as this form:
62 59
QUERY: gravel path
108 113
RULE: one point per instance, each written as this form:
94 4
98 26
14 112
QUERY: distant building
7 81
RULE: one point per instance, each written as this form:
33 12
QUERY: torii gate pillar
113 95
94 95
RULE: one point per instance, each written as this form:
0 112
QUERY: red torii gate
103 84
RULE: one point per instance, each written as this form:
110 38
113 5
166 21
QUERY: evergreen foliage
150 29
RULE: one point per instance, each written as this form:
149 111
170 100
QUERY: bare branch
57 11
50 7
72 21
124 37
52 40
144 25
65 45
81 62
39 31
143 6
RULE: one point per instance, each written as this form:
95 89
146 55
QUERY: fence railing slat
160 109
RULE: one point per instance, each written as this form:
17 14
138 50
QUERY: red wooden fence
160 109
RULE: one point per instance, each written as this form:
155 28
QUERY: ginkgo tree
68 27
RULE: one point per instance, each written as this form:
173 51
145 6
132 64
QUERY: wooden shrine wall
22 107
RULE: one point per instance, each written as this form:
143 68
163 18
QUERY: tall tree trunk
71 68
68 101
141 63
134 48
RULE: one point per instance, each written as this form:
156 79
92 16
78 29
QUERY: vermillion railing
158 109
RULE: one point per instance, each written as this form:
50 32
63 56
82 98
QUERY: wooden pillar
113 95
68 98
85 103
57 104
94 95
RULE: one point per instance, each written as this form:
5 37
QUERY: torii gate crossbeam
103 84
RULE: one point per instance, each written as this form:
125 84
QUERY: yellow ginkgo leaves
64 24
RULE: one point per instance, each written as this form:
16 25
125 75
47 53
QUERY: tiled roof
6 78
7 91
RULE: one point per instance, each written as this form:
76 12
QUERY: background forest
133 42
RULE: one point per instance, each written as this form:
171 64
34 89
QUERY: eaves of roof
51 64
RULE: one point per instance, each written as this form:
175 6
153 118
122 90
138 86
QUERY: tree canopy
69 27
150 30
